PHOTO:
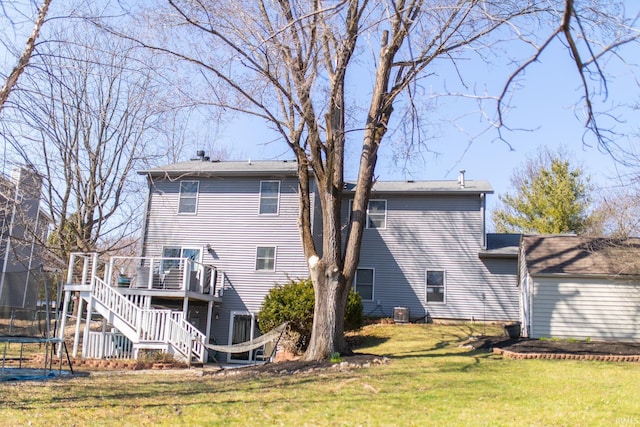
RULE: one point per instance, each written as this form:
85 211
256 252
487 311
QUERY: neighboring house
578 287
424 248
23 226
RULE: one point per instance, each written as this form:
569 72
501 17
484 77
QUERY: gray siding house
23 226
219 235
424 249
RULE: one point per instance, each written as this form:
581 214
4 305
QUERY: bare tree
616 214
23 60
292 63
86 118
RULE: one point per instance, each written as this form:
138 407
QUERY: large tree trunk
331 292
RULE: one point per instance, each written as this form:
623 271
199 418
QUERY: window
269 195
363 283
377 214
188 196
266 258
179 252
435 286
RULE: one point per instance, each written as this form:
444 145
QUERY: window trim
444 285
277 197
373 283
181 196
366 219
275 257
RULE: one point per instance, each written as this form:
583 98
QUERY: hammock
272 335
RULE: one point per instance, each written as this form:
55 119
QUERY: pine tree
550 197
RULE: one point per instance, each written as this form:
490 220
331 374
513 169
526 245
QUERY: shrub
293 303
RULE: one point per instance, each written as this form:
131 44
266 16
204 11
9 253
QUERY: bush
293 303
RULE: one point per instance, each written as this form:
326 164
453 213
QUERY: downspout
483 208
145 221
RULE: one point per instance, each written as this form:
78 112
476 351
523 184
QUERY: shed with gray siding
577 287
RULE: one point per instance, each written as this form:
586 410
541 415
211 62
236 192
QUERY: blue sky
544 108
544 105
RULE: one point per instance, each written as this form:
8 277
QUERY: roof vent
200 155
461 178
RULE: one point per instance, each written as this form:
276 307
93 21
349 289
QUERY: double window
179 252
188 196
363 283
376 213
436 286
266 258
269 197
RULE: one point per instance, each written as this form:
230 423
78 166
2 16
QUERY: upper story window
269 197
363 283
376 213
436 286
188 196
266 258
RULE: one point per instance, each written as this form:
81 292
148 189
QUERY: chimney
461 178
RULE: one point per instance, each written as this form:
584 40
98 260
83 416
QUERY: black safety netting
25 305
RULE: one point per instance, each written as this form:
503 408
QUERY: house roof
385 187
580 256
205 168
216 168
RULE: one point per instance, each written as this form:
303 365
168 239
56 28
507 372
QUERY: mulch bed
559 349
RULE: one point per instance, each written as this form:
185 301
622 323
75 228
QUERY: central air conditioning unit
401 314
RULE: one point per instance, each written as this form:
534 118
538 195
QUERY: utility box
401 314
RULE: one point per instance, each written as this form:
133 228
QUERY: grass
430 381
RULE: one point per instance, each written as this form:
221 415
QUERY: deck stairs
144 328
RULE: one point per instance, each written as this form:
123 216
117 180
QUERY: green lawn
430 381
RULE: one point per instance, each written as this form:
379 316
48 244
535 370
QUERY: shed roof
581 256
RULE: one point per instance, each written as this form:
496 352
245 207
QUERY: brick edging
598 357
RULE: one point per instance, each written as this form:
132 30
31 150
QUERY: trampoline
28 322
